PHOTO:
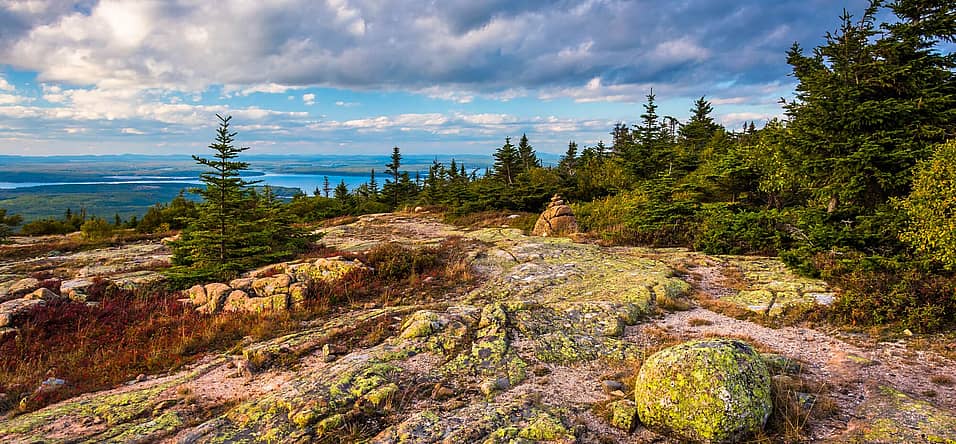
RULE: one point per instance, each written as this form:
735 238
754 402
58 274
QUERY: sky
362 76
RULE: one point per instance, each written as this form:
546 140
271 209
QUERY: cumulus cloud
308 99
464 47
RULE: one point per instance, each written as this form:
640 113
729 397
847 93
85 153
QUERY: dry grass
673 304
697 322
943 380
149 331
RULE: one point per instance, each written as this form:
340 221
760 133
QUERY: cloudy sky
359 76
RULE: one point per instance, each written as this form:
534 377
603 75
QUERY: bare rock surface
537 352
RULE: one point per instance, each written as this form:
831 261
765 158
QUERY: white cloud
308 99
345 104
132 131
4 85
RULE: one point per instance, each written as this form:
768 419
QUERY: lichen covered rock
715 390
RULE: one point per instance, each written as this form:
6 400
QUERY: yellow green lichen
714 390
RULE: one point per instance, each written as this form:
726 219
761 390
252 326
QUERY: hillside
539 341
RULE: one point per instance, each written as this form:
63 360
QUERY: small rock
327 354
611 386
622 414
42 294
907 332
441 392
617 394
140 377
51 384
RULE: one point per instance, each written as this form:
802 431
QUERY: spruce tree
871 102
529 159
7 223
221 240
507 162
392 187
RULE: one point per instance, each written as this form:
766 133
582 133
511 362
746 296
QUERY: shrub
722 230
96 229
931 207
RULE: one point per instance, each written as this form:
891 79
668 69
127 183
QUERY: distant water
305 182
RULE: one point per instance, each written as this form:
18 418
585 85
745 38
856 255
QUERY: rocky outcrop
711 391
557 220
274 287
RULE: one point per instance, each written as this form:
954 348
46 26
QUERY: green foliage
235 228
7 223
726 229
163 217
97 229
507 163
931 207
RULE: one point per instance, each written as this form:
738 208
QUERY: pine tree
373 185
326 188
569 161
392 187
529 159
696 133
341 192
870 103
507 162
221 241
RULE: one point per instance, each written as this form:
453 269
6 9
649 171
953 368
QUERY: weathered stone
298 294
273 285
236 301
622 414
22 287
890 416
75 289
197 295
420 324
556 220
13 309
216 294
268 303
713 391
244 284
44 294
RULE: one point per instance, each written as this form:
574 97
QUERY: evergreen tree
341 192
529 159
870 104
225 236
569 161
392 187
326 188
696 133
507 163
373 185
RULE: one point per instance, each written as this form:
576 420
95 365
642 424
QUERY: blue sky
361 76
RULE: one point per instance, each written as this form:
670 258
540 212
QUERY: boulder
44 294
216 294
326 269
236 301
22 287
712 391
269 286
244 284
197 295
75 289
298 294
557 220
275 302
13 309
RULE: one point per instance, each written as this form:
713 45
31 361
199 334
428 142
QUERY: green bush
722 230
96 229
931 207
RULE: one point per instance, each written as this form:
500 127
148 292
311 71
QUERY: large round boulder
712 391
